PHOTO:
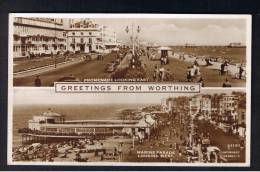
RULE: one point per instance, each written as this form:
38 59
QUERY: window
82 33
73 33
81 40
90 40
73 40
97 47
90 33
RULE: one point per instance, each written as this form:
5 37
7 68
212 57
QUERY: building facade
84 36
109 37
229 108
37 37
206 106
195 105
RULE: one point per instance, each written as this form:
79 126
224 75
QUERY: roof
164 48
140 124
51 114
85 24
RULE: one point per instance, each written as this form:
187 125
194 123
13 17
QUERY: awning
165 48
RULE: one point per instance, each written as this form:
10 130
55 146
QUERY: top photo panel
213 50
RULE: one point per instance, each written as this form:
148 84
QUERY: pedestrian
37 81
226 83
161 60
196 62
222 66
188 74
168 75
155 73
241 70
201 81
120 152
165 60
162 73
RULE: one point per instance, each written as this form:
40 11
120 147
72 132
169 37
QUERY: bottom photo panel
210 128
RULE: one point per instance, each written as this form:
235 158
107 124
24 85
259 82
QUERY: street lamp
133 36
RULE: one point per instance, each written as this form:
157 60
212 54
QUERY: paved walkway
125 62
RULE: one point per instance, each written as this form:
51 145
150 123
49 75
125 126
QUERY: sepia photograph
213 51
207 128
129 89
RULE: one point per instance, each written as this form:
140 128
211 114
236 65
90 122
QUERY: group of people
164 60
193 72
223 68
67 149
135 61
162 74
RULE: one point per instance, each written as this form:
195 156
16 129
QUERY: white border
103 15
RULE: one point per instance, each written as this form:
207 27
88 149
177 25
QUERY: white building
45 36
195 104
37 36
229 108
48 117
84 36
109 37
200 105
206 106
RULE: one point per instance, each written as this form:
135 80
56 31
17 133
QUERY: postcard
129 89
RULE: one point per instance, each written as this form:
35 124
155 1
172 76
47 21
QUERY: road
222 140
90 69
162 142
96 69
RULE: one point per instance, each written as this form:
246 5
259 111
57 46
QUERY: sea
23 113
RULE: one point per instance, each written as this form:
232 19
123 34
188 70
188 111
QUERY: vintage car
68 79
109 154
111 67
93 148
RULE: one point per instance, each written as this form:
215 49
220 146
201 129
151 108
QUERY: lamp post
133 36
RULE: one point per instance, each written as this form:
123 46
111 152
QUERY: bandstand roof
51 114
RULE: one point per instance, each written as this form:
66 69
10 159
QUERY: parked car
110 154
111 67
68 79
93 148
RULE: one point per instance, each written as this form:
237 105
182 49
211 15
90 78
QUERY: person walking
188 74
241 70
226 83
222 69
156 73
37 81
162 74
201 81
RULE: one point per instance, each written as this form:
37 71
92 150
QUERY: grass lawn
36 63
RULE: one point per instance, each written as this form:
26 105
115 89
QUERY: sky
41 96
180 31
168 29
